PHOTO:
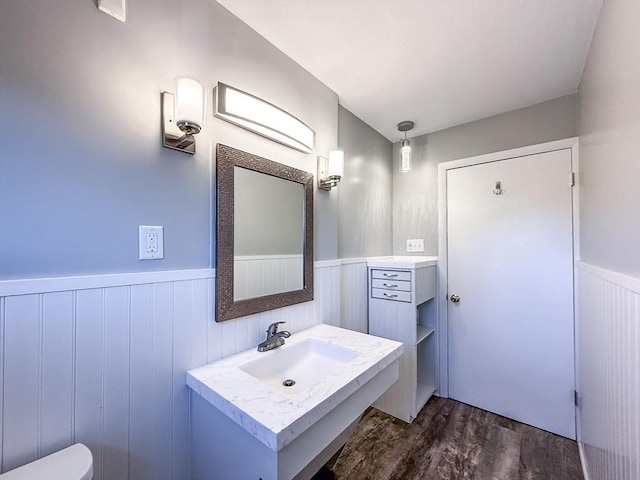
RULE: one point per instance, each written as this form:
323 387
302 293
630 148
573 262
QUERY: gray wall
364 194
415 194
609 127
81 164
268 217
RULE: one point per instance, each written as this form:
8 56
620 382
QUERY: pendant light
405 148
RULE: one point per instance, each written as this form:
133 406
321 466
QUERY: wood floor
453 441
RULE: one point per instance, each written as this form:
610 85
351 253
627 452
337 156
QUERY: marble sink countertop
405 262
274 417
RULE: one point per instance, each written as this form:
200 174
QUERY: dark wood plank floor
453 441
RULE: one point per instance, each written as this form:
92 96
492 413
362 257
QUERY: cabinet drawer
392 275
391 284
385 294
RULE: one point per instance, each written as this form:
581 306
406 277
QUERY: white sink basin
240 403
306 364
329 365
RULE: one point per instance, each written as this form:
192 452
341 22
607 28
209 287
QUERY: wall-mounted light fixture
405 148
183 114
261 117
330 170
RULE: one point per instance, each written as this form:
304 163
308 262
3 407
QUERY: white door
510 262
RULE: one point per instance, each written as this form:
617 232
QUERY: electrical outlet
150 242
415 245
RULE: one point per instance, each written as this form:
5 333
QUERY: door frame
442 318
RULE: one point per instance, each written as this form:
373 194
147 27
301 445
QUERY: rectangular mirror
264 235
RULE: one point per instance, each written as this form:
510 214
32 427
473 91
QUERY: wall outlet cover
415 245
150 242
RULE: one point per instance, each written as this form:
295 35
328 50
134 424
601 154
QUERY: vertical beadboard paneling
354 296
182 302
199 323
266 274
609 373
115 406
89 418
140 382
2 350
106 366
161 380
57 372
22 380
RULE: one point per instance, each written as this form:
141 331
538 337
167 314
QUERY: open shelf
422 333
423 393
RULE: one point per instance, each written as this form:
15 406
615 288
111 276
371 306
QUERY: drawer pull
390 296
390 286
390 275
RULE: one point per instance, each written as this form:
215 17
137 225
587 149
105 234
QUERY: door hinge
573 179
575 398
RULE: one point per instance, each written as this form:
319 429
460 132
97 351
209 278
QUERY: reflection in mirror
264 234
268 234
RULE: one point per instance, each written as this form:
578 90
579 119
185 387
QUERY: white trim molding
327 263
28 286
624 281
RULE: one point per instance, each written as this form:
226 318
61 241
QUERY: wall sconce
330 170
261 117
183 114
405 148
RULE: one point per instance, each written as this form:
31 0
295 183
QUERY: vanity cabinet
402 307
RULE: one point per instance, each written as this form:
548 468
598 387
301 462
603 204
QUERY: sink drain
289 383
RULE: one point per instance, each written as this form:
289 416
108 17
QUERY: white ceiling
437 62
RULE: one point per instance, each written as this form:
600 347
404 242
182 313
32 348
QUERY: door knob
455 298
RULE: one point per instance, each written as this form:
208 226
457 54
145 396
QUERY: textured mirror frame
226 307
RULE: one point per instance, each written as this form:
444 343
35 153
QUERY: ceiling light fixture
405 148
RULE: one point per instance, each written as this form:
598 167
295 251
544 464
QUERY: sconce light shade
330 170
183 114
190 104
261 117
336 163
405 148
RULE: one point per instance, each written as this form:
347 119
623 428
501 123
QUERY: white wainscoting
354 306
102 360
609 373
256 276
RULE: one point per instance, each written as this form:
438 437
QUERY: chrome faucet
274 338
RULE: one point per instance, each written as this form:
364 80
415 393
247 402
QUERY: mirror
264 235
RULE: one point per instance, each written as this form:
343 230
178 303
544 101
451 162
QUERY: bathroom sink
297 367
241 404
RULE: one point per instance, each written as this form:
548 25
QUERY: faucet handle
273 328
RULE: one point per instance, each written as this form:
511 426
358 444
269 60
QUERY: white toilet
72 463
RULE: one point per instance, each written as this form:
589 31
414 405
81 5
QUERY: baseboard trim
583 461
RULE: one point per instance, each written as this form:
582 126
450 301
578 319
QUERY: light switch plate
151 242
415 245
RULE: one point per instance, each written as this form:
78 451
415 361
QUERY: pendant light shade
405 156
405 148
